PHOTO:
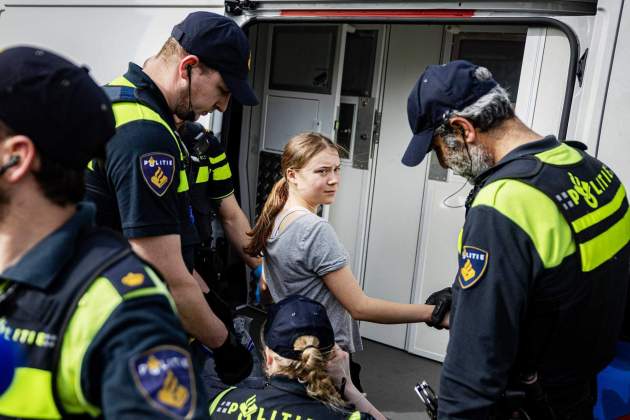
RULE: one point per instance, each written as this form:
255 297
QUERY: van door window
303 58
500 53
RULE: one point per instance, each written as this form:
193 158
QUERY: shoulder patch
472 265
164 376
128 274
158 171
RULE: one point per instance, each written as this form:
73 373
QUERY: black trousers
355 370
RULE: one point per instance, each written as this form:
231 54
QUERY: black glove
232 361
442 301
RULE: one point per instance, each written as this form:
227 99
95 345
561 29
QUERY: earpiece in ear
13 160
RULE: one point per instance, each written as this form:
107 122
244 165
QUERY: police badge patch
472 265
165 378
157 170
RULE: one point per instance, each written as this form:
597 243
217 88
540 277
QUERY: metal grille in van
268 174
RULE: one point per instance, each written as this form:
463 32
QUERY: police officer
93 325
142 187
309 376
539 295
212 195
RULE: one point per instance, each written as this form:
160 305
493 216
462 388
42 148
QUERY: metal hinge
581 67
376 133
236 7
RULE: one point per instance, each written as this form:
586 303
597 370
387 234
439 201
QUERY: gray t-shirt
295 261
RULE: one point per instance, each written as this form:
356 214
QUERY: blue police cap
221 45
292 318
440 90
56 104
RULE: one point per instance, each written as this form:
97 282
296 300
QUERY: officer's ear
465 128
19 156
186 64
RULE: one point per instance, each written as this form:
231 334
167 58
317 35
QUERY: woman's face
317 182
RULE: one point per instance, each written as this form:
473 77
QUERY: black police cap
293 317
221 45
440 90
56 104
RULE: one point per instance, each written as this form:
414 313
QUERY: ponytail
310 370
264 225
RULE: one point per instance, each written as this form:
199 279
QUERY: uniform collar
531 148
526 149
149 93
42 263
287 384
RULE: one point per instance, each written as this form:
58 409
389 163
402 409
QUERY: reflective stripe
356 415
561 155
93 310
122 81
601 213
604 246
459 240
218 398
218 159
203 175
222 173
126 112
18 400
543 222
223 196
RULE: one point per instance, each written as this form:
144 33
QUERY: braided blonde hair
310 370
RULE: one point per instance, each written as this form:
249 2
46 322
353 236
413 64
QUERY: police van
345 68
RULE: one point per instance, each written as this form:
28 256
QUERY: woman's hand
339 366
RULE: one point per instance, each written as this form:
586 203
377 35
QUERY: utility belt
524 399
527 399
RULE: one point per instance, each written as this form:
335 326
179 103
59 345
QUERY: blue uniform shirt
120 371
126 199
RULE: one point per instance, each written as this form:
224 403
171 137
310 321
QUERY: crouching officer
94 325
540 292
308 377
212 196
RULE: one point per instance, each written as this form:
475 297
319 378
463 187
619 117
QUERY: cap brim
419 146
241 91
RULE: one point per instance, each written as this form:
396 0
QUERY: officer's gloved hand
442 300
232 361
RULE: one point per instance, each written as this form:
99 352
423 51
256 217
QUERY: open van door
399 224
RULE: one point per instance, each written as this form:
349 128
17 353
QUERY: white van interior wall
398 190
613 140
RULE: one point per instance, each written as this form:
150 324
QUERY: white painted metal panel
614 139
437 258
395 218
286 117
103 38
552 83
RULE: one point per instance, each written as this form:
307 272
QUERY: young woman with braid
308 374
302 254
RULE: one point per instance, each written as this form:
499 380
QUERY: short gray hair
491 109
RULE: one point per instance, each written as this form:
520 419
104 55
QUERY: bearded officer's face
467 161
